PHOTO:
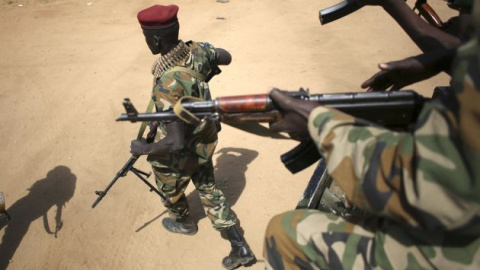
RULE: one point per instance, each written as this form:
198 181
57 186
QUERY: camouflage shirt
428 179
171 86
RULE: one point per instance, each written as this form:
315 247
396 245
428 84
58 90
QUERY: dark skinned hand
140 147
295 115
398 74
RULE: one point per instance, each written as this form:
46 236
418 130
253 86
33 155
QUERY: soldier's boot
241 253
184 225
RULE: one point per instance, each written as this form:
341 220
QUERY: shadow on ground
230 168
54 190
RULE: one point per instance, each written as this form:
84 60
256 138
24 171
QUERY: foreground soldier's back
423 189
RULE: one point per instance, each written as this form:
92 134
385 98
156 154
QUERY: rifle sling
184 114
192 73
144 124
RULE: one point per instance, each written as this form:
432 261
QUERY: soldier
184 151
421 189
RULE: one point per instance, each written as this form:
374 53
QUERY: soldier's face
153 41
162 40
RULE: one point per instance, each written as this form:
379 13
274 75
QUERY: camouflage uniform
172 175
423 189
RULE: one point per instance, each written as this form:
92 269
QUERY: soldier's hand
140 147
398 74
295 115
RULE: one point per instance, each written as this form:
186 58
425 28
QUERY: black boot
184 225
241 253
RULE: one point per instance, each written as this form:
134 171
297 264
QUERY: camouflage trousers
173 184
310 239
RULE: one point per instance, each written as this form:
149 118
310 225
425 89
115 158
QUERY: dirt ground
65 67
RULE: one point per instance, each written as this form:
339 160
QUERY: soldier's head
160 27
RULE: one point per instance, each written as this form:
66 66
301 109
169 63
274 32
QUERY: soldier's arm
174 141
424 178
425 36
224 57
167 91
399 74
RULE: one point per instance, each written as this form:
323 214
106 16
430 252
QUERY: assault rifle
394 110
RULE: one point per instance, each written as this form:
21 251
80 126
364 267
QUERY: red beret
158 16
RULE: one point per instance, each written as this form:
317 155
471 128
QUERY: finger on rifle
367 84
376 77
382 81
372 80
282 100
375 83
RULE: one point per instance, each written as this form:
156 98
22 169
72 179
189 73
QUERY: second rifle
394 110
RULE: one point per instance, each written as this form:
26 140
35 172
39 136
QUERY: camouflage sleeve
168 90
210 52
429 178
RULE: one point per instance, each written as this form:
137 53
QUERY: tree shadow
230 168
55 190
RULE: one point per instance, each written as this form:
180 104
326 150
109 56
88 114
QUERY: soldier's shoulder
200 46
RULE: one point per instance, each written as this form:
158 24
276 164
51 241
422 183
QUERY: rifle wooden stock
427 12
394 110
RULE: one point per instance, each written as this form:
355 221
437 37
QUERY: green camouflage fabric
422 188
170 87
173 175
215 205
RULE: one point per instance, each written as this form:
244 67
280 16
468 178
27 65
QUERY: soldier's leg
173 184
218 210
310 239
214 203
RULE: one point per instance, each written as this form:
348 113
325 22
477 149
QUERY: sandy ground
65 67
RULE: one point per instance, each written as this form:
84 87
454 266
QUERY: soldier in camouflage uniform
422 188
182 152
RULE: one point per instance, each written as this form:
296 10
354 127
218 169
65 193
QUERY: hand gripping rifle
129 167
394 110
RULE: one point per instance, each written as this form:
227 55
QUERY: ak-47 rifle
347 7
394 110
